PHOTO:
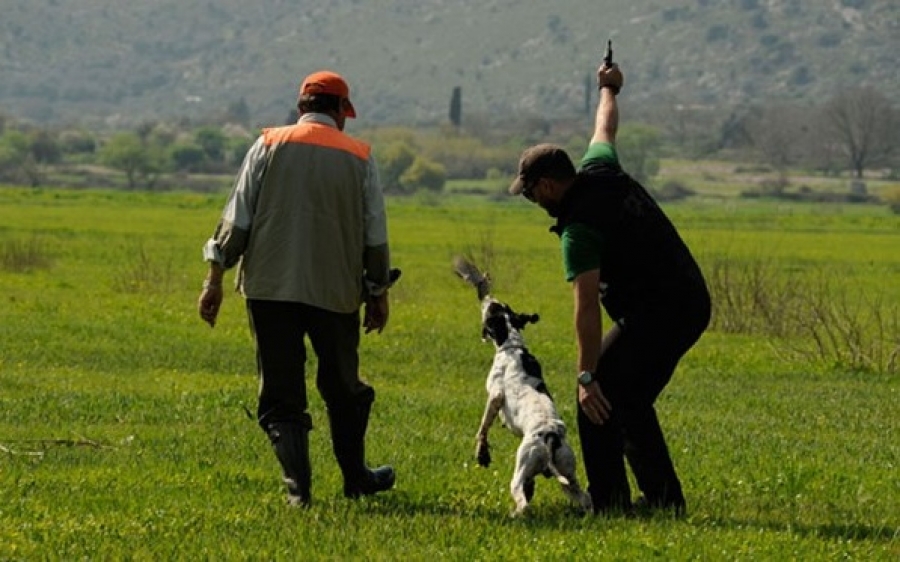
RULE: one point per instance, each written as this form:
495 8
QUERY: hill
92 60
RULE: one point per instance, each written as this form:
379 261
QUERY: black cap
541 160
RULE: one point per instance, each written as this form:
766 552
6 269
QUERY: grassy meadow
124 432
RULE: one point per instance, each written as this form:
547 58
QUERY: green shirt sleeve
582 246
600 152
581 249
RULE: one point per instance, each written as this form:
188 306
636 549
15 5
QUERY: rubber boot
348 437
291 444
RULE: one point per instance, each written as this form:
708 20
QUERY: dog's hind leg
564 462
531 458
522 489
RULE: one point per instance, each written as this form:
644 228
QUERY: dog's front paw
483 453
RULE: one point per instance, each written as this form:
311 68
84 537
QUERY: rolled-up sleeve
229 240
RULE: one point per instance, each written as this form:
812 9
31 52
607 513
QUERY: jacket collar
319 118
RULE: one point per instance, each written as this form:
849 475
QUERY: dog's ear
519 321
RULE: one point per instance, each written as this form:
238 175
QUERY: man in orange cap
306 222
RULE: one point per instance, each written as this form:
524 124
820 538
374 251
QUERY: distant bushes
892 198
672 190
777 188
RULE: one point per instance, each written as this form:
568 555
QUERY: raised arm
606 123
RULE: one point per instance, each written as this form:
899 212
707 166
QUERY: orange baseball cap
328 82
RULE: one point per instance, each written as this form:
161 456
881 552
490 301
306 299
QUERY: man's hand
593 403
209 302
609 76
376 313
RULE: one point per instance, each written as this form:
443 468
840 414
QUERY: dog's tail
473 276
553 441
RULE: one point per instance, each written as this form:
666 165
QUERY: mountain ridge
85 60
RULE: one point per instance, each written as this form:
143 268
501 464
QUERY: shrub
424 174
23 256
806 311
393 160
143 274
892 198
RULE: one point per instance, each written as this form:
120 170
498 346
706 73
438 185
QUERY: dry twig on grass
46 443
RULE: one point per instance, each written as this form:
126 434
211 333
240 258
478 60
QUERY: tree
17 163
863 123
126 152
697 131
777 133
44 147
237 149
456 107
212 140
187 157
15 140
734 131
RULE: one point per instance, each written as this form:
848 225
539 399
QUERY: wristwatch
585 378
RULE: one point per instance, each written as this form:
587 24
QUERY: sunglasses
528 189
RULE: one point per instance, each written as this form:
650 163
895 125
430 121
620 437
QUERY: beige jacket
306 219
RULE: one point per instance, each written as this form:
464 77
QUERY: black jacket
645 263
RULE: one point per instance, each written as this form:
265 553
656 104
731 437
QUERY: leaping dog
518 394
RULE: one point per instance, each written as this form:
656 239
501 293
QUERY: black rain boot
348 437
291 444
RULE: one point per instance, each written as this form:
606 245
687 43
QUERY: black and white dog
518 394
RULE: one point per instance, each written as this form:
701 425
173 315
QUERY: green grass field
124 433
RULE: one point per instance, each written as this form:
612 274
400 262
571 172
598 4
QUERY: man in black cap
619 250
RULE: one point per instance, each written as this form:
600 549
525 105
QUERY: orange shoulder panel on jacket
316 134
